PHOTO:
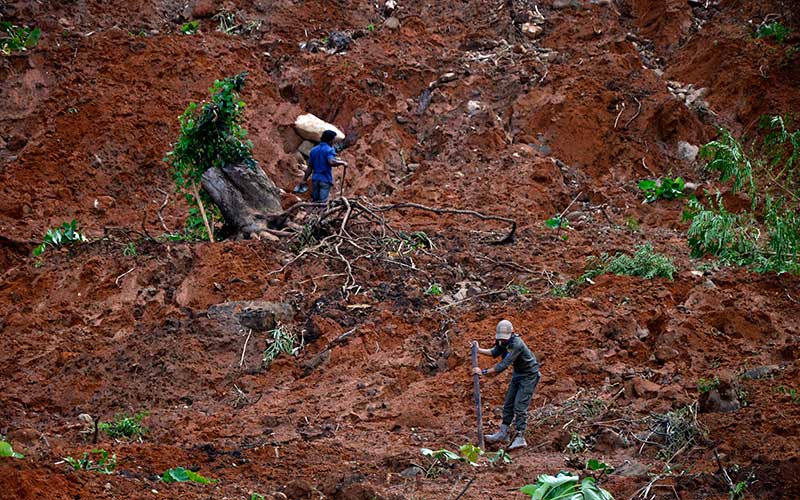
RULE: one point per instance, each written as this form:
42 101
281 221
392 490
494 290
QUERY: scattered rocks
693 97
310 127
687 152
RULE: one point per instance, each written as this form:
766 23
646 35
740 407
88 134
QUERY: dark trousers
320 191
518 400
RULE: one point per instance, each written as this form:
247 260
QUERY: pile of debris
694 98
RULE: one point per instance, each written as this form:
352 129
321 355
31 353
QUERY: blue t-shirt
318 158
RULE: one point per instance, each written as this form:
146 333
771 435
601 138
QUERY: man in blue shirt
524 379
320 161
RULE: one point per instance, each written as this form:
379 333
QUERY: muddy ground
521 128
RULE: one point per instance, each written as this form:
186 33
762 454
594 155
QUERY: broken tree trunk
247 198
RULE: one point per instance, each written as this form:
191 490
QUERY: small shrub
282 341
565 486
190 28
705 384
66 234
103 465
17 38
434 289
7 451
130 250
774 29
595 465
665 189
181 475
557 222
645 263
124 426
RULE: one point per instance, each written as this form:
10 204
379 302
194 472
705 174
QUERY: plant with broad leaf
467 453
766 236
565 486
211 136
182 475
664 189
67 233
6 451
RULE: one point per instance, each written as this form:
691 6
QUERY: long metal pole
476 387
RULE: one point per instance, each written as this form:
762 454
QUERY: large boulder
256 315
310 127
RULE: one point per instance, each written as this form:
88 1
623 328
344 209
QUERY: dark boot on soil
500 435
519 442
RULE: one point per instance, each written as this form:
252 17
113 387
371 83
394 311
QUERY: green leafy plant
467 453
576 443
706 384
664 189
210 136
765 237
645 263
519 289
103 465
370 27
789 391
7 451
565 486
190 28
557 222
17 38
281 341
500 456
773 29
181 475
434 289
67 233
130 250
124 426
257 496
595 465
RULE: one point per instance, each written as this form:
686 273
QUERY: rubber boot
500 435
519 442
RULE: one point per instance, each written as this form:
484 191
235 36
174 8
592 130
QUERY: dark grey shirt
516 353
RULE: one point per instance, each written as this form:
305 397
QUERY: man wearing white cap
524 378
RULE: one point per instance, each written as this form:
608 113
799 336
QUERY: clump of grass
677 430
124 426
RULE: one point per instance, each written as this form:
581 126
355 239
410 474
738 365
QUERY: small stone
412 166
412 471
760 372
392 23
563 4
691 186
665 353
687 152
531 30
708 284
401 119
107 486
305 148
473 107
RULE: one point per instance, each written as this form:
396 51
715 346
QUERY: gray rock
305 148
257 315
761 372
563 4
531 30
687 152
392 23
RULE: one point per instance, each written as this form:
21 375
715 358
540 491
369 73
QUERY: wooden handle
476 387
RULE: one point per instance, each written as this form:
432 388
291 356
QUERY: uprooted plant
210 137
765 237
7 451
281 341
65 234
675 431
467 453
182 475
565 486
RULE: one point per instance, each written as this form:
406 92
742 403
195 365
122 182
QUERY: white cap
504 330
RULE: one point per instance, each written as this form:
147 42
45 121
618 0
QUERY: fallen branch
116 281
244 349
619 114
638 110
160 209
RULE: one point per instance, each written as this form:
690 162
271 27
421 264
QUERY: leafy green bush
645 263
67 233
7 451
765 237
773 29
17 38
190 28
124 426
210 137
281 341
104 464
665 189
181 475
434 289
565 486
